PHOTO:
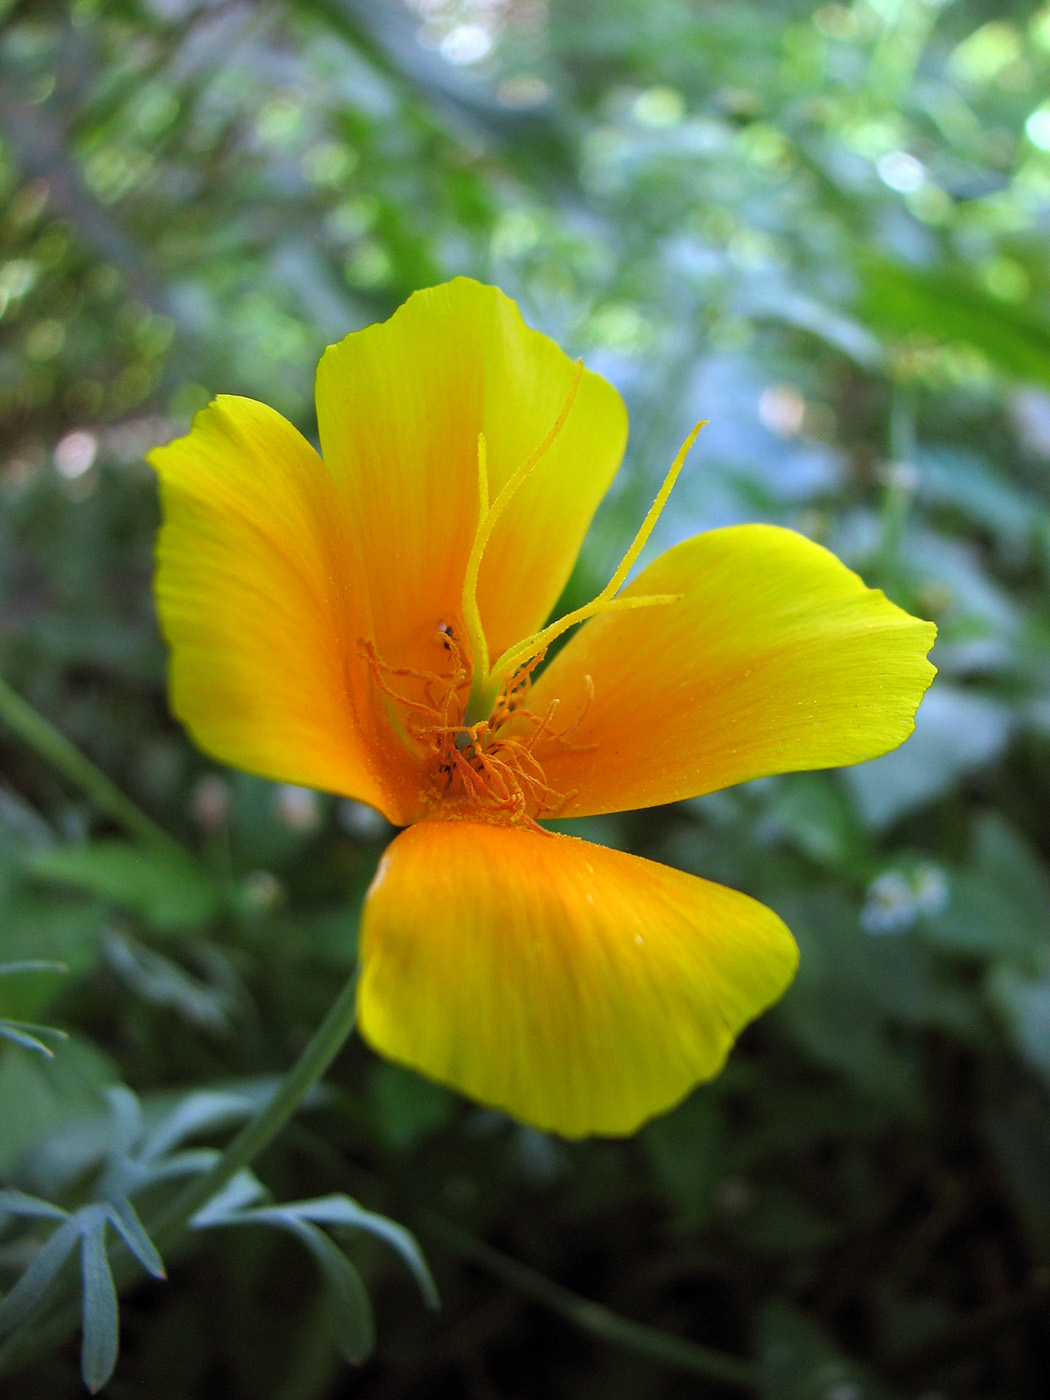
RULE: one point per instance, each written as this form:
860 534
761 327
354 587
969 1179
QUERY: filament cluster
479 771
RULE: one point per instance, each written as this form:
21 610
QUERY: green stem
901 432
592 1317
899 490
258 1132
172 1222
51 744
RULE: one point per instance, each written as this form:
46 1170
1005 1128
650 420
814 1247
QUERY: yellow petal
254 570
580 989
400 407
775 658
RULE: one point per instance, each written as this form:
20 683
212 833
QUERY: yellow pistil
488 681
488 515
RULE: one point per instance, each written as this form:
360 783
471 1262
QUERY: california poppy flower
370 622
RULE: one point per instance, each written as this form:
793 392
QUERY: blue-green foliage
126 1154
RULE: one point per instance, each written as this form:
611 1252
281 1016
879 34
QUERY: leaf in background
353 1324
831 324
408 1107
46 929
163 982
10 969
962 481
38 1096
337 1210
170 893
948 305
28 1036
833 1008
227 1206
956 731
341 1210
981 623
122 1215
101 1316
812 812
125 1111
798 1361
19 1203
999 902
202 1110
29 1292
21 824
1024 1003
686 1153
780 1221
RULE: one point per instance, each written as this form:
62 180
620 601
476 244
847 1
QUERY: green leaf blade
100 1343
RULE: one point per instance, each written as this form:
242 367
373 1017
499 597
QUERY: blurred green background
821 227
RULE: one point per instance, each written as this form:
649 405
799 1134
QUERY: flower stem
51 744
593 1317
240 1152
258 1132
900 483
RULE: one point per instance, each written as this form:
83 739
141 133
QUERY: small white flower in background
75 454
297 807
361 822
896 898
210 802
782 410
901 172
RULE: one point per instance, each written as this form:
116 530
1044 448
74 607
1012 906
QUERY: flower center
482 770
480 764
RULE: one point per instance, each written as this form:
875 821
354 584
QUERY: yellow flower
372 623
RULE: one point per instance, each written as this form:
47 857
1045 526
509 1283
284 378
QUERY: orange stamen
478 765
